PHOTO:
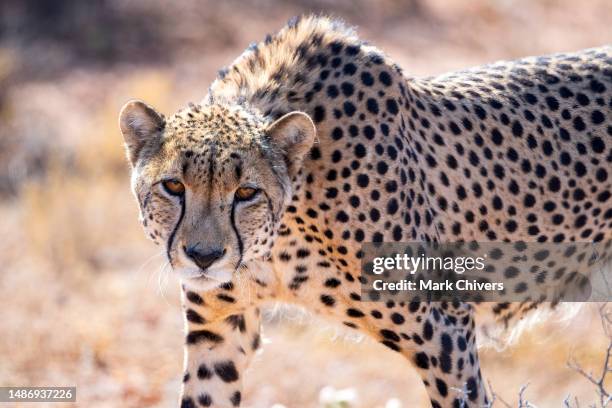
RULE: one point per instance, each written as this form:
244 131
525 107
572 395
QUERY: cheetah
313 143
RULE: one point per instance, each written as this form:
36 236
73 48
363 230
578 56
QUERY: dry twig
599 380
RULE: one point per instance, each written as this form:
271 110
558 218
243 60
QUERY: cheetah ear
294 135
141 125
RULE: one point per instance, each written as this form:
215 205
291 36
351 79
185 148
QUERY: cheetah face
212 183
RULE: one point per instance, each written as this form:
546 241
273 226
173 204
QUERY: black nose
203 258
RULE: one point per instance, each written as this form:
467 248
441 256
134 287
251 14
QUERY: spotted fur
512 151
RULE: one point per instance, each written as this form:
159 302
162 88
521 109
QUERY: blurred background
84 298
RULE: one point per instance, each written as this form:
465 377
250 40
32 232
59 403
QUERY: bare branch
495 397
605 399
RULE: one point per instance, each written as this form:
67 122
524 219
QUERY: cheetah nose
203 258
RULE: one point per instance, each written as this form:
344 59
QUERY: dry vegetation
86 301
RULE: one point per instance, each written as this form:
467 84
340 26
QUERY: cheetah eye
174 187
245 193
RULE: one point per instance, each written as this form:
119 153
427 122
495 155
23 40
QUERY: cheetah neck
321 67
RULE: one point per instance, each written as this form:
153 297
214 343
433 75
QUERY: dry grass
86 300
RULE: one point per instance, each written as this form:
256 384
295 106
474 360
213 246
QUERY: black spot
237 322
552 103
442 388
579 124
427 330
497 137
517 129
194 317
332 283
511 225
315 153
472 389
598 145
187 402
360 151
385 78
393 346
496 104
363 180
347 89
369 132
446 363
597 86
351 50
226 298
389 334
302 253
199 336
205 400
392 107
332 91
349 108
397 318
597 117
580 169
421 360
319 114
367 78
354 313
554 184
226 370
530 98
480 112
349 69
236 398
194 298
447 343
454 128
337 133
342 216
328 300
582 99
204 373
372 105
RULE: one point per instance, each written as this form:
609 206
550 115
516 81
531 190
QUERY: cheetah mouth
205 279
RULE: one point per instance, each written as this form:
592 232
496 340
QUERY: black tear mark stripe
173 233
233 222
200 336
211 170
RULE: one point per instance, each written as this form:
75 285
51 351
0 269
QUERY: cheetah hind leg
446 356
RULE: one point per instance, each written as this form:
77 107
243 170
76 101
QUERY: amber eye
245 193
174 187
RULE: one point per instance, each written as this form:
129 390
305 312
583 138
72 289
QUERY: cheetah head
212 183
